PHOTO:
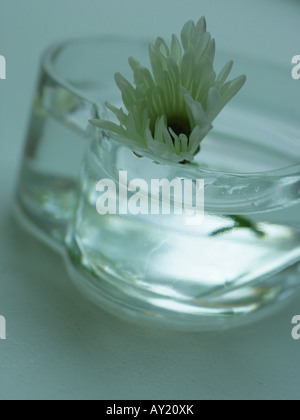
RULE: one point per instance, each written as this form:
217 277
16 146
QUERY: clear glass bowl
239 265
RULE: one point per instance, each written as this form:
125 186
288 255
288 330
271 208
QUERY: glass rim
196 171
51 53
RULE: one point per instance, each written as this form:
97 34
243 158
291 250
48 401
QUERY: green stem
240 222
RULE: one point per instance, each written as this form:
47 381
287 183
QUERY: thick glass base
220 311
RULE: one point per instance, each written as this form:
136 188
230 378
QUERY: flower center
180 126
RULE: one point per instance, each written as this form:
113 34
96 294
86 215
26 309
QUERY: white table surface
59 346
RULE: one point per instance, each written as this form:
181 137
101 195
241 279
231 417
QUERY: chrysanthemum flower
170 111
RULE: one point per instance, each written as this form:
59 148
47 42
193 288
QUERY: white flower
170 111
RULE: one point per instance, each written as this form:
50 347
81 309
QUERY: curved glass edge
225 193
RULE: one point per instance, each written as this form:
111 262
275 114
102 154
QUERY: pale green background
58 345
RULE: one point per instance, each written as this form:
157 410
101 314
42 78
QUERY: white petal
187 34
158 63
176 50
187 69
214 102
225 72
184 142
122 117
177 145
162 47
128 93
159 129
198 134
232 88
196 111
201 26
108 126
